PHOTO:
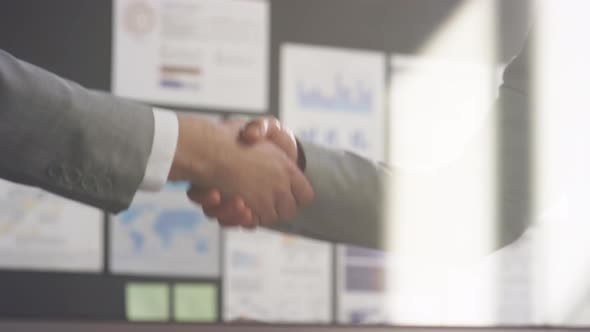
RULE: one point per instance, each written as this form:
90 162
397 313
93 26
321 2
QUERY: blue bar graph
345 98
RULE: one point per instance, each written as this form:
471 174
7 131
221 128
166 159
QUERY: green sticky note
147 301
195 302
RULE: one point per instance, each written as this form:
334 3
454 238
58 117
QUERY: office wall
73 38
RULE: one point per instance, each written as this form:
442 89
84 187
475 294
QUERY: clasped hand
247 175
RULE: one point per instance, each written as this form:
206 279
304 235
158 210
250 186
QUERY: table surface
58 326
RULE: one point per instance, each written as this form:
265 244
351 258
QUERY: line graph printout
272 277
41 231
335 97
164 234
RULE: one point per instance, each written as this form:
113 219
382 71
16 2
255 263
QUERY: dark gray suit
84 145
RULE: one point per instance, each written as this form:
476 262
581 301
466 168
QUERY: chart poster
362 286
376 288
164 234
272 277
334 97
41 231
192 53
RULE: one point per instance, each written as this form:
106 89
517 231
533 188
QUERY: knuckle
272 121
255 124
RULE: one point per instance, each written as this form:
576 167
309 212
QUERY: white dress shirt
163 150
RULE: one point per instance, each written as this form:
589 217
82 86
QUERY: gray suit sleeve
353 197
81 144
351 194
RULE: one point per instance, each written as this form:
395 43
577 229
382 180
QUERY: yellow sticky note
147 301
195 302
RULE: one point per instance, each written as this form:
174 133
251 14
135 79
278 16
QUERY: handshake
242 173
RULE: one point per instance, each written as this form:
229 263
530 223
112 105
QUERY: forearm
81 144
351 199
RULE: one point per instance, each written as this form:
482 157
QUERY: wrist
192 160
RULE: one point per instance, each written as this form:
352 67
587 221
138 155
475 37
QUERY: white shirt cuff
163 150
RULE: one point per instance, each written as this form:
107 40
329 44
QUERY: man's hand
261 176
234 211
